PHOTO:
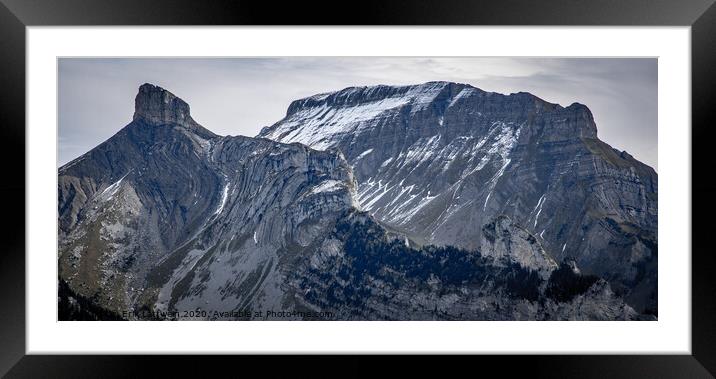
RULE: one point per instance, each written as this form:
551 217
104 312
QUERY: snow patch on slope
112 189
464 93
328 186
363 154
224 196
317 126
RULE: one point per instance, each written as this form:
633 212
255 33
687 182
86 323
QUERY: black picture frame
16 15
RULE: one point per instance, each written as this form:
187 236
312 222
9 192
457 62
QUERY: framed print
473 182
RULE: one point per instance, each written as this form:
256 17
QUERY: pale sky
239 96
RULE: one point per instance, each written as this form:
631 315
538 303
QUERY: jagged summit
156 105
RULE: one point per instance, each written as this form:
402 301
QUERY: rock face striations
437 201
440 161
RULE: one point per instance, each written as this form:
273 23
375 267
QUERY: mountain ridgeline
436 201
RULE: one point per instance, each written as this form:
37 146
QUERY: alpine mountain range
436 201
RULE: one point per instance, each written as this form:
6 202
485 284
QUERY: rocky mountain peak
156 105
370 203
583 119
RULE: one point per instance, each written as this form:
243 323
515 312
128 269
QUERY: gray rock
167 217
439 161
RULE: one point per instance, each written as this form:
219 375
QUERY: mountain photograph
438 199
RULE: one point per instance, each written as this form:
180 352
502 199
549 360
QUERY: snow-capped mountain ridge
346 111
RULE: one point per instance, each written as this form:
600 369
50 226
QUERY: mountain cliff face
164 200
440 161
166 218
